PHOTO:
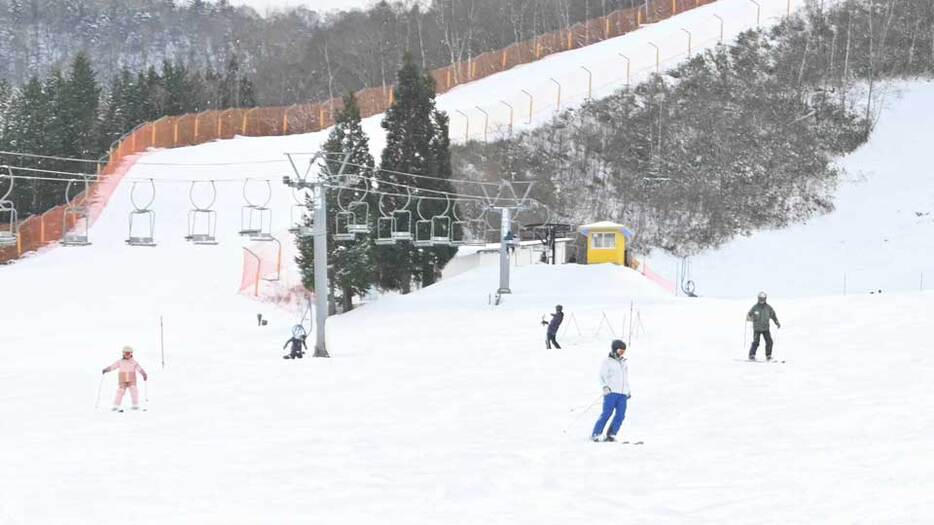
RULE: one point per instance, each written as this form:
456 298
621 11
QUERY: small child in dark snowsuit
298 347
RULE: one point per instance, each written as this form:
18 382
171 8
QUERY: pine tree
78 110
6 103
351 272
27 132
417 144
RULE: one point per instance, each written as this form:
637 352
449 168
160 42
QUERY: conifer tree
78 110
417 144
351 273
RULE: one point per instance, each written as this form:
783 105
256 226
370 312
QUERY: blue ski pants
611 402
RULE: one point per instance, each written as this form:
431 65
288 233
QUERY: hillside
880 235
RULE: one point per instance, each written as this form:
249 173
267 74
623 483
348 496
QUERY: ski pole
97 400
745 335
146 390
587 409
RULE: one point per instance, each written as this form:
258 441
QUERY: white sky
317 5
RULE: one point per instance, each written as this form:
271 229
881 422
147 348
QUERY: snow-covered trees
739 138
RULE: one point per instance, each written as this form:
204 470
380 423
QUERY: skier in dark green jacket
760 315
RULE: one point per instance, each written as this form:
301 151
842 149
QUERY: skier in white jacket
614 377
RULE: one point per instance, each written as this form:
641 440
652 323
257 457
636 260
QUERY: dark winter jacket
556 319
760 315
297 344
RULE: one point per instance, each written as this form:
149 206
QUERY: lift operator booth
603 242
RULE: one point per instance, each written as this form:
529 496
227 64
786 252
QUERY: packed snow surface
438 407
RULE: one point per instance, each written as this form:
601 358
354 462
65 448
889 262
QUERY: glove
606 390
777 324
628 396
104 371
145 377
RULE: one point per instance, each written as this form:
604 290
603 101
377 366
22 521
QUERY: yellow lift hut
603 242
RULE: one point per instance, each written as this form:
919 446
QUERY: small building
603 242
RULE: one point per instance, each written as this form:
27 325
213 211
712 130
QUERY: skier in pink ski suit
127 368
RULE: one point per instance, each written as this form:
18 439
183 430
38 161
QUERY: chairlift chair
458 233
202 227
423 228
9 226
146 237
402 220
441 230
384 229
76 236
402 225
342 222
9 229
423 233
202 220
299 218
256 219
300 221
441 225
475 236
360 216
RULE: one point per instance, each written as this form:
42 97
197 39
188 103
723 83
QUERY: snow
605 63
438 407
879 237
263 7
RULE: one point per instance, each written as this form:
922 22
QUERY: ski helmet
617 344
558 308
762 296
127 350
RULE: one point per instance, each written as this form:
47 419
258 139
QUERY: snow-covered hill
879 237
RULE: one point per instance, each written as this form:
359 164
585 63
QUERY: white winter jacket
614 374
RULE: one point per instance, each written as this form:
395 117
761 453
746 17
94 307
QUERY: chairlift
385 224
477 235
441 225
142 213
202 220
342 222
9 224
256 219
344 219
360 212
422 233
384 227
77 236
402 220
300 220
422 227
360 209
402 225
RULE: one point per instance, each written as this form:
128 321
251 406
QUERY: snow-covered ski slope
437 407
879 237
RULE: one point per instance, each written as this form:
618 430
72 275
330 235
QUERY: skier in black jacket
556 319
